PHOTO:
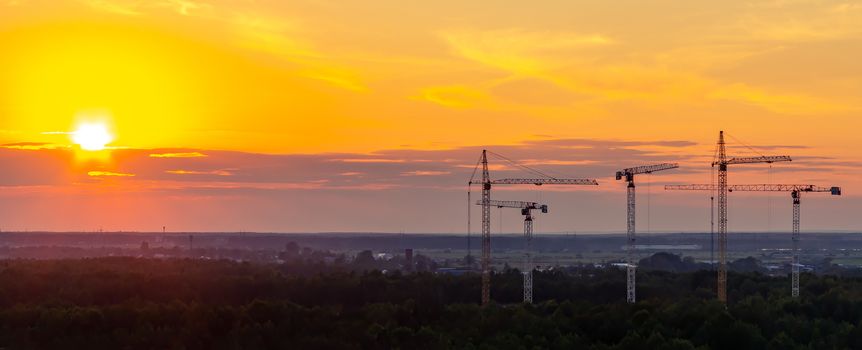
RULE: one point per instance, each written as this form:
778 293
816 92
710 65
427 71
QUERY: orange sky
383 105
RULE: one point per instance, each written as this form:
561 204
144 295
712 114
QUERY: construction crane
795 193
722 162
527 211
486 209
629 175
539 182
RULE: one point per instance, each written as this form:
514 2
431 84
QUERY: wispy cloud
519 50
283 38
196 172
187 7
121 8
369 160
455 96
341 79
425 173
777 102
178 155
557 162
32 146
98 173
139 8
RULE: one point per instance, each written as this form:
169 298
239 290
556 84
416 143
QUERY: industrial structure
408 259
795 193
527 211
722 162
486 207
629 175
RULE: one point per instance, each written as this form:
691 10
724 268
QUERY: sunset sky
368 116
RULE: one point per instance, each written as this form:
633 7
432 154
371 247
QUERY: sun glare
92 137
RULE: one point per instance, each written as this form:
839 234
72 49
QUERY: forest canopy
136 303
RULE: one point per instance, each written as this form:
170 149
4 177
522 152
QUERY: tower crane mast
486 230
722 162
526 210
795 193
629 175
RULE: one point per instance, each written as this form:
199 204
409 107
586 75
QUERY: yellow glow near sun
92 136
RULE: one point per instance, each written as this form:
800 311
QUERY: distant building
452 271
383 256
408 259
145 249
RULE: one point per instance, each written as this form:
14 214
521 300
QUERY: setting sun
92 137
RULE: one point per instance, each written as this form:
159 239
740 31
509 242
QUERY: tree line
137 303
